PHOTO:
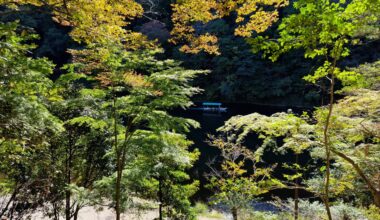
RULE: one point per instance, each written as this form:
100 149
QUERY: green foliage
315 210
26 124
103 132
366 77
149 150
200 208
323 29
233 185
295 131
247 214
372 212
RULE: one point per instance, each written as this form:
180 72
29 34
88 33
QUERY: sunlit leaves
26 124
259 22
91 122
365 76
322 28
135 91
253 16
99 21
234 186
295 130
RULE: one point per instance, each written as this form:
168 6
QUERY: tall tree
159 172
324 29
82 146
26 124
137 104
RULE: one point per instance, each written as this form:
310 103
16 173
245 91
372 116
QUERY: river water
209 123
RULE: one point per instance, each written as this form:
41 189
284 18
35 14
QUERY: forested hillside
97 112
238 74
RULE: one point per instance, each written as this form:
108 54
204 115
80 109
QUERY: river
209 123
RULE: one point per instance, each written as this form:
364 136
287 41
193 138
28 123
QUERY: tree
137 104
93 22
293 132
252 16
356 128
158 172
354 132
81 147
240 178
26 124
324 29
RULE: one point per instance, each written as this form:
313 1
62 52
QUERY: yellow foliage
252 16
93 21
259 22
136 80
204 42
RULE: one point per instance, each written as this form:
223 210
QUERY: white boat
211 107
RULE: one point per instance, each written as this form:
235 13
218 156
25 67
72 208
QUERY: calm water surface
209 123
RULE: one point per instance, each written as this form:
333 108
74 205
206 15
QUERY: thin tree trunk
376 198
160 197
375 192
56 211
76 213
326 143
120 157
296 194
336 53
234 213
68 179
13 196
118 193
118 163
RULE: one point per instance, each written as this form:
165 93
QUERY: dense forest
97 113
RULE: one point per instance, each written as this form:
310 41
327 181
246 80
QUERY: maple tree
97 21
253 16
233 184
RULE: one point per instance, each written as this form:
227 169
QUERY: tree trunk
326 143
377 198
68 179
121 152
13 196
234 213
118 162
160 197
56 211
117 190
296 194
76 213
375 192
120 166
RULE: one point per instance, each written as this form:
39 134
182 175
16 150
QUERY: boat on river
211 107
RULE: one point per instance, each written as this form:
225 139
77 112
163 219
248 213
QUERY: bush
256 215
200 208
372 213
316 211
